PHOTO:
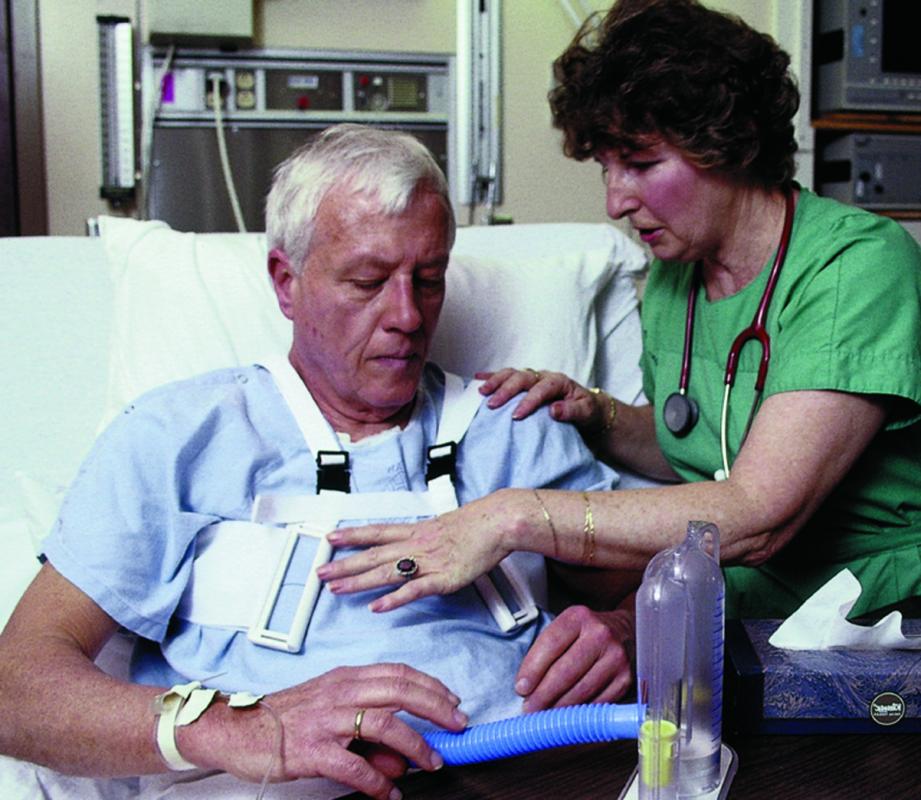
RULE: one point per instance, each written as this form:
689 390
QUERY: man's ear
283 278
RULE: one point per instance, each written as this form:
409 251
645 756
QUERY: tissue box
768 690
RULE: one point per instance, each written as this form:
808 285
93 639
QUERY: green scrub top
845 316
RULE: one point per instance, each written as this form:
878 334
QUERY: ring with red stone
406 567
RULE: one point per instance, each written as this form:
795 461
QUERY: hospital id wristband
181 705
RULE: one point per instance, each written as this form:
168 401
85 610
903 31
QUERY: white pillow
546 296
542 296
185 303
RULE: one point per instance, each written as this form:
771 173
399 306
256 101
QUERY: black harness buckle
333 474
442 460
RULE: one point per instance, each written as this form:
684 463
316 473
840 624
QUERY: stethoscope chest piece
680 413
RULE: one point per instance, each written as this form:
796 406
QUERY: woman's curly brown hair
703 81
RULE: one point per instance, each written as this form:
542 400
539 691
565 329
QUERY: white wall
539 183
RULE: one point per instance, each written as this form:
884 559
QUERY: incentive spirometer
677 719
679 665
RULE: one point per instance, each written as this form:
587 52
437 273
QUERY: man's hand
319 720
583 656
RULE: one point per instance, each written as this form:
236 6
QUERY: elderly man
198 523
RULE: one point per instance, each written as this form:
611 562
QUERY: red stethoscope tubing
756 330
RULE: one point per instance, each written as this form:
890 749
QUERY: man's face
366 304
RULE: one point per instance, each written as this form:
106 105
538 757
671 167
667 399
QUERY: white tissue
820 624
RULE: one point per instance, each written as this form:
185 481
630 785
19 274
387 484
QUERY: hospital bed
90 323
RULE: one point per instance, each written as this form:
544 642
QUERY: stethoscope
680 411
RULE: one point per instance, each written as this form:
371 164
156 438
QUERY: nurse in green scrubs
688 113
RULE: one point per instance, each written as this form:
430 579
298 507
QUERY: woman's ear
283 277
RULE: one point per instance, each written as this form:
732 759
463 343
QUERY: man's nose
403 308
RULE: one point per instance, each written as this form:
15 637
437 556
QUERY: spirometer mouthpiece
679 638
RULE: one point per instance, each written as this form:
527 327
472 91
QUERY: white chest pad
239 566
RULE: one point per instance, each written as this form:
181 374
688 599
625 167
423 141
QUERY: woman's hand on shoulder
568 400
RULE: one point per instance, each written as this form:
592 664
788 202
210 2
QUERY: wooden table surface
862 767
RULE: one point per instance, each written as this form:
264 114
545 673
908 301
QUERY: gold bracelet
612 410
543 508
588 531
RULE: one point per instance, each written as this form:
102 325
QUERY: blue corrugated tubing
555 727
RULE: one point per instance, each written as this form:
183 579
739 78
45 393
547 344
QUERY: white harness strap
219 596
285 509
316 431
460 407
227 571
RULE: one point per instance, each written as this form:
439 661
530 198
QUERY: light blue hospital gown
197 452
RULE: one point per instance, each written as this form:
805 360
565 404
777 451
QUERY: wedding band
406 567
359 718
534 372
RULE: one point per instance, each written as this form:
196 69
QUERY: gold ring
359 718
534 372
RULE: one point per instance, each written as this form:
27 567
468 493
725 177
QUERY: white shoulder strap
458 409
316 431
503 582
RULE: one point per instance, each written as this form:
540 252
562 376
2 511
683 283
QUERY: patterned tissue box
769 690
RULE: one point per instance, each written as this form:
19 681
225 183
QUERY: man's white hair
388 166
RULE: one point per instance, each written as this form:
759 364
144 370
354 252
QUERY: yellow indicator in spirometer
657 746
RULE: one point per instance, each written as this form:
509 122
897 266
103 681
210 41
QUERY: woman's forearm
623 529
629 440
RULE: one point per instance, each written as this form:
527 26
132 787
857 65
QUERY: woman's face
680 210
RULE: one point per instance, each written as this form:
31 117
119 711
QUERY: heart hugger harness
240 566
